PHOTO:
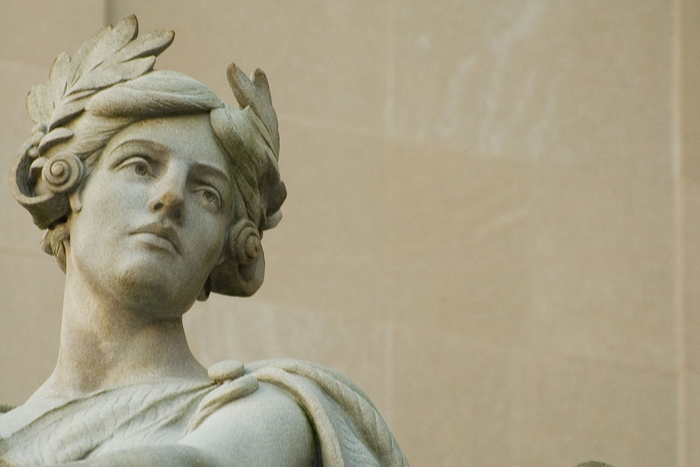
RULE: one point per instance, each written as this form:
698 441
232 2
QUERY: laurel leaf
255 93
39 104
241 86
77 95
58 76
66 111
104 77
54 137
109 57
135 68
96 80
151 44
114 39
84 50
263 107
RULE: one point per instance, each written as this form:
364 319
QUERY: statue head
108 86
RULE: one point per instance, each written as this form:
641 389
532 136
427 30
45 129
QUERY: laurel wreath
111 56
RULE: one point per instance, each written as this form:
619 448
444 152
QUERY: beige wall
492 223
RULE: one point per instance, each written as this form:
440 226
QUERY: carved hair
110 84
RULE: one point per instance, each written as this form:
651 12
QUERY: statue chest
107 421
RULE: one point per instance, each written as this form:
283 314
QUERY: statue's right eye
141 169
137 165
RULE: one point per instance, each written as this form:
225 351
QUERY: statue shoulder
320 410
265 427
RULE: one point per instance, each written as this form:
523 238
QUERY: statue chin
147 294
140 282
147 288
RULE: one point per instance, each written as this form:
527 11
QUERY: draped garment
348 428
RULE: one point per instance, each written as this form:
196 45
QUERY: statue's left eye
210 197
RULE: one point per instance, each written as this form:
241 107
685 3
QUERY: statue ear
243 269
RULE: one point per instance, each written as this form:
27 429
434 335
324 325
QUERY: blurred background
493 221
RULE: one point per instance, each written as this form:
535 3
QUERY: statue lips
161 231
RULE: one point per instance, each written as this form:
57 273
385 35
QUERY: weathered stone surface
155 193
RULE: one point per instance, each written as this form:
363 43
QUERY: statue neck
107 343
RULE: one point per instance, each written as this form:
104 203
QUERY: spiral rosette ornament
253 247
63 173
46 206
243 270
245 245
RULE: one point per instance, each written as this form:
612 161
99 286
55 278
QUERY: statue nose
169 204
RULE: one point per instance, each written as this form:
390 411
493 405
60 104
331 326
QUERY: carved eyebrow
155 149
201 169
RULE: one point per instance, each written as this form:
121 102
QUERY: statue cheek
217 252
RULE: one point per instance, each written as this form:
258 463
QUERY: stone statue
154 193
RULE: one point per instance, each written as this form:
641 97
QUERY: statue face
154 215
